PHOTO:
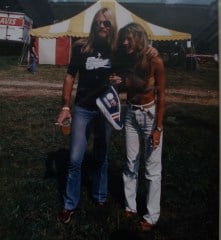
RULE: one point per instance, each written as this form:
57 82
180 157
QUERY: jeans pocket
150 115
151 112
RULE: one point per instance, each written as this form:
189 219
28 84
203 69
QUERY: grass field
33 153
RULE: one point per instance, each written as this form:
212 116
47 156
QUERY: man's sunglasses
106 23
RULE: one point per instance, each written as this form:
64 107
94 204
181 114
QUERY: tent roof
79 25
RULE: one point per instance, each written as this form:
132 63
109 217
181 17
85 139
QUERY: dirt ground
18 89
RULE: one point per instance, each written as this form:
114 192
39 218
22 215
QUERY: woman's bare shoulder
157 59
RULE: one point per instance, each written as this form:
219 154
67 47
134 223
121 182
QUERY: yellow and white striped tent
79 25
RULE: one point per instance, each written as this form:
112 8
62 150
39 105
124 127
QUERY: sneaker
65 215
145 226
109 105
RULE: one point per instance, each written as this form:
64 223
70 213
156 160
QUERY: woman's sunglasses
106 23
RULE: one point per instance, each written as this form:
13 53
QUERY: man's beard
101 42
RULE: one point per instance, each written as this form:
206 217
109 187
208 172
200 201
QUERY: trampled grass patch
11 69
206 78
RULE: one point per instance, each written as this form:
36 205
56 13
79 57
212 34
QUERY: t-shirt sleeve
73 66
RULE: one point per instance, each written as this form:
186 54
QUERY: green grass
207 78
33 153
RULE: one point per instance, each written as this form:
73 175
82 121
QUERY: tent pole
24 51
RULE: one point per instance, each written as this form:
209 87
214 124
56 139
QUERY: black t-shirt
94 69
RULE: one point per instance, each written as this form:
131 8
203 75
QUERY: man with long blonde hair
91 60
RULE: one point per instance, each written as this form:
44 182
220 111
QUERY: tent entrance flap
55 51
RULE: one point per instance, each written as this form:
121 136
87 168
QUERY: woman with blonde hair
145 85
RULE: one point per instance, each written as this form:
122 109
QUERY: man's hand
151 52
64 114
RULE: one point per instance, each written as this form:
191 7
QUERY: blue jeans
139 125
33 64
82 122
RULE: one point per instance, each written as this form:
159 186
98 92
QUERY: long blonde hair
140 40
112 37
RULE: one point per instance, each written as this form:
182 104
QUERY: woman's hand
155 138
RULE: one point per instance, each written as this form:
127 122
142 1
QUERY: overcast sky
148 1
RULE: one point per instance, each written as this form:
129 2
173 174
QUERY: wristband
65 109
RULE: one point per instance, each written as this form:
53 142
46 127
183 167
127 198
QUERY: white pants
139 124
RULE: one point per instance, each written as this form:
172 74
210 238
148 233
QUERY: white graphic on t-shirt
99 55
95 63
